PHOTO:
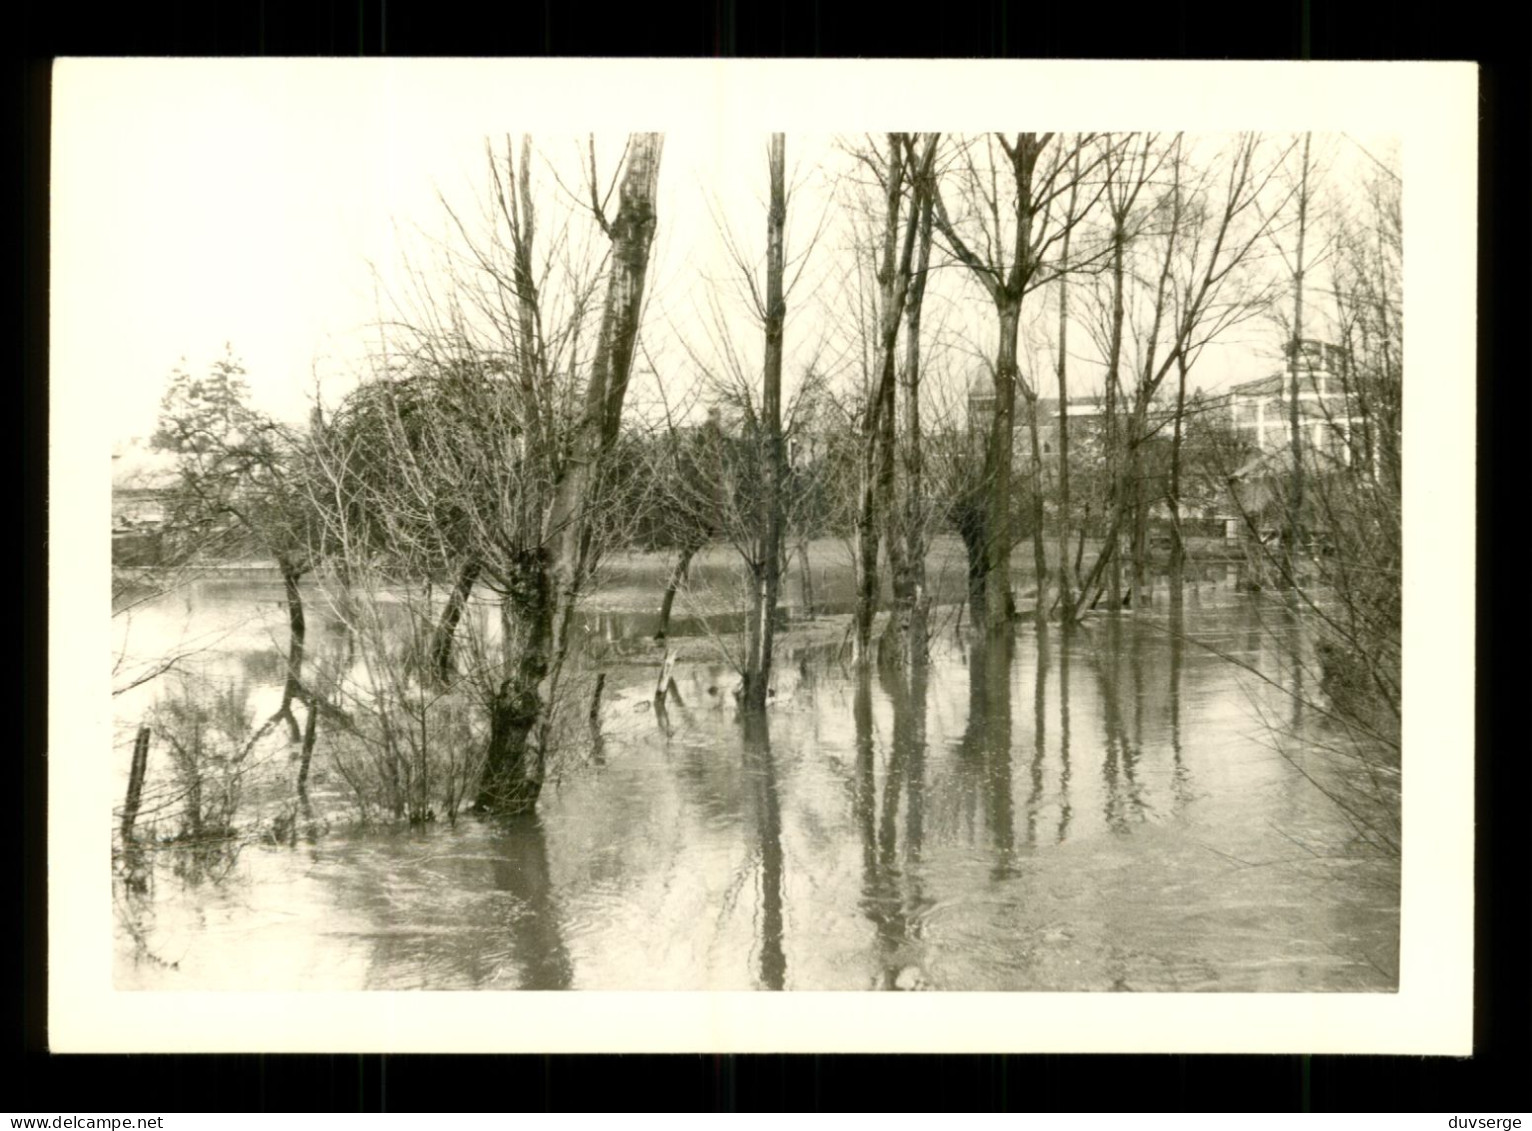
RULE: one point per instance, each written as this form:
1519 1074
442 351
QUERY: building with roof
1086 418
1260 411
142 479
1332 437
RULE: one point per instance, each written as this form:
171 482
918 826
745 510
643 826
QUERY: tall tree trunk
914 455
1108 554
1068 582
768 568
1295 423
1140 522
677 576
892 646
867 555
879 428
998 604
1039 547
1113 432
970 518
452 615
1135 501
1177 540
538 610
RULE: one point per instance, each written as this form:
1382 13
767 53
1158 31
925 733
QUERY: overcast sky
269 208
249 202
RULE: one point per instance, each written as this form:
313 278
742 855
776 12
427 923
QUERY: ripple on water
1088 816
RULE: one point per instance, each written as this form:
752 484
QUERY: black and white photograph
985 550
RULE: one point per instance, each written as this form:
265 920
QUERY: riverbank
632 581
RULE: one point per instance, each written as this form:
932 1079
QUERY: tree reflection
985 752
997 687
892 897
1180 776
760 767
1294 622
1064 769
910 745
879 902
1039 733
468 908
1122 803
519 855
1255 632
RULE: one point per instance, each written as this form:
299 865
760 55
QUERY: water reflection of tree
1354 767
892 897
520 869
412 891
1039 733
1292 620
984 755
1180 775
1123 802
760 766
1065 811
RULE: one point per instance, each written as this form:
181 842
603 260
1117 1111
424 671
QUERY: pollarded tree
544 340
1014 204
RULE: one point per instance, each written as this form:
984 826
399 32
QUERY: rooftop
1261 387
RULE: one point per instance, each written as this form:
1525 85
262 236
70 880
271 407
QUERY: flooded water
1120 808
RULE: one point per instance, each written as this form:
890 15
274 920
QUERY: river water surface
1120 808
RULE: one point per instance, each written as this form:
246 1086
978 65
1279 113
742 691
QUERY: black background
1494 1080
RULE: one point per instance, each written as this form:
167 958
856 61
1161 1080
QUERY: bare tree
902 225
505 458
1351 487
1362 507
768 566
1011 218
739 481
910 591
1130 164
1176 284
1303 200
1069 582
547 579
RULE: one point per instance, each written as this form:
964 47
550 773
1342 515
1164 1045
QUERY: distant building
141 478
1331 434
981 405
1086 419
141 482
1261 410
